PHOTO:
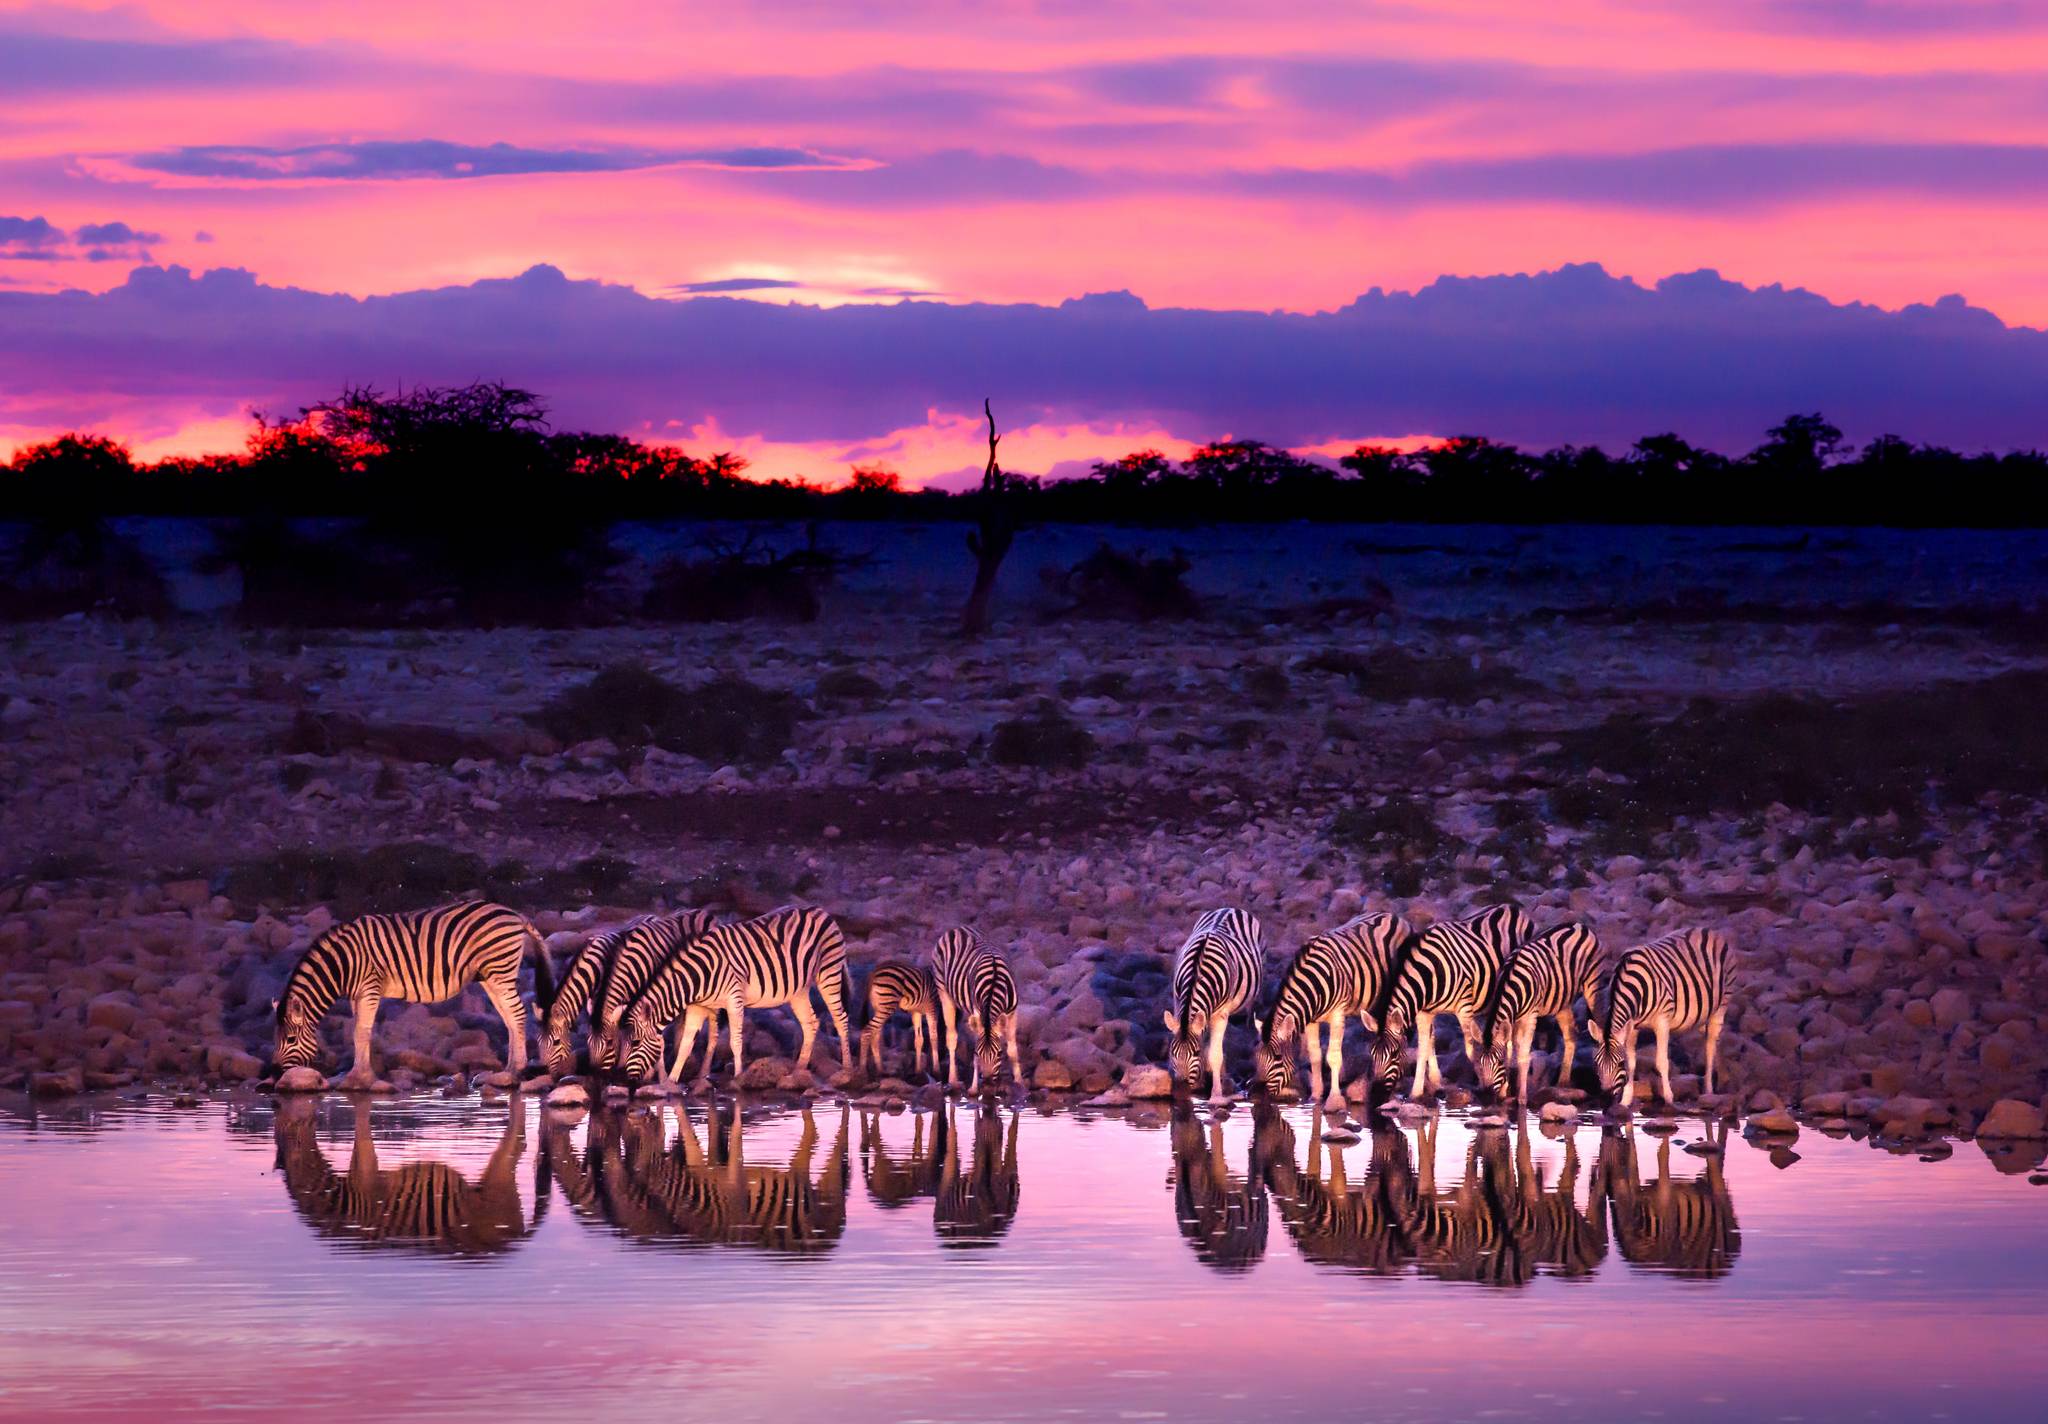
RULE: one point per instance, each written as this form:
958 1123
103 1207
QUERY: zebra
642 948
1684 1228
1677 982
896 985
975 984
776 959
1215 974
1334 975
426 956
1451 967
1544 978
425 1206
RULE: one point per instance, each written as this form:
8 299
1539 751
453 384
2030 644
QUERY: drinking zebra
1334 975
426 956
975 983
1450 968
896 986
1215 974
1677 982
1544 978
776 959
640 950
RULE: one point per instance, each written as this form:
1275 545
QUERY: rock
1825 1104
2009 1117
1559 1112
1951 1008
1776 1122
61 1084
17 711
116 1011
1763 1100
568 1095
303 1079
1339 1136
1052 1074
1488 1121
188 894
797 1080
1148 1080
502 1078
764 1073
1109 1098
1702 1149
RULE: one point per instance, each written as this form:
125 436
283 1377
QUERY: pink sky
1201 155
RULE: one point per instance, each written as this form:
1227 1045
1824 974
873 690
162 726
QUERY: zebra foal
897 986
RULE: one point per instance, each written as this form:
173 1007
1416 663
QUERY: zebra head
1271 1062
1611 1062
642 1049
1388 1048
1492 1065
298 1034
988 1049
555 1048
603 1046
1184 1054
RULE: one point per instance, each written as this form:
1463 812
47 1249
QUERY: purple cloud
1569 355
437 158
718 285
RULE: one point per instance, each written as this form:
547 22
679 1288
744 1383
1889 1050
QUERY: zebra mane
294 982
1397 966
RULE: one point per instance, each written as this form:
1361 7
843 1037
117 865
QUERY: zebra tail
543 971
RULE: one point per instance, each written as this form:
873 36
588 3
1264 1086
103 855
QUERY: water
496 1262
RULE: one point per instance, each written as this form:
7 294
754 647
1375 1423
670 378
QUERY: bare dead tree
990 539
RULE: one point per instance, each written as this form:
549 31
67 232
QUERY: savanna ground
1829 746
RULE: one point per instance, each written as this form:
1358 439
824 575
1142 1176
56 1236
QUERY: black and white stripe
1449 968
897 986
1333 976
426 956
776 959
1545 977
1222 1214
636 955
975 1203
1215 975
975 985
1677 982
1681 1228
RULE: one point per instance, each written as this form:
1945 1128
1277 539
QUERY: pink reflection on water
164 1265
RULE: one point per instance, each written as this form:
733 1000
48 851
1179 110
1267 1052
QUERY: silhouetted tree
990 539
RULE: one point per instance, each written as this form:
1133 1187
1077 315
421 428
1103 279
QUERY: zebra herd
1492 973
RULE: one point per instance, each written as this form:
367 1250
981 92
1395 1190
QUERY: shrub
725 720
1112 584
1047 738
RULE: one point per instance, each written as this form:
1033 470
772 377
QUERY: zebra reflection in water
699 1192
895 1180
1224 1215
427 1206
1683 1228
976 1199
1356 1227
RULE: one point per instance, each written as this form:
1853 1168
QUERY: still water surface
458 1260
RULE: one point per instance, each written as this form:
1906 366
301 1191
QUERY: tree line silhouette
456 458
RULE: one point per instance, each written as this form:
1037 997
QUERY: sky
820 233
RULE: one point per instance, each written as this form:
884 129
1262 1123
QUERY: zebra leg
1713 1042
364 1069
1010 1041
835 1005
686 1039
1334 1061
1525 1039
952 1013
1567 1050
1218 1090
736 1030
1312 1044
1425 1051
512 1009
1663 1029
807 1018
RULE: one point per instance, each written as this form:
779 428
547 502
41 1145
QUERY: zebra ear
1593 1028
1172 1021
1257 1027
1369 1023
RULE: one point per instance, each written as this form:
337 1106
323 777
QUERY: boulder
2009 1117
302 1079
1776 1122
1148 1080
60 1084
1559 1112
1951 1008
1052 1074
568 1095
116 1011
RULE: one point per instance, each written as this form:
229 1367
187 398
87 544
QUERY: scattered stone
303 1079
64 1083
2009 1117
1147 1081
1559 1112
1052 1075
1777 1123
568 1095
